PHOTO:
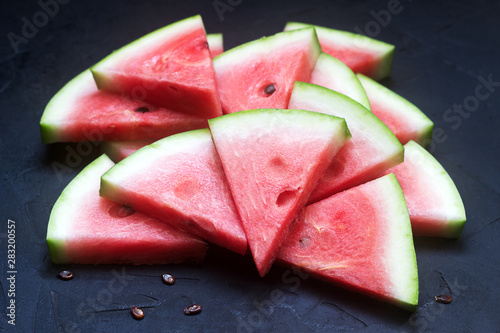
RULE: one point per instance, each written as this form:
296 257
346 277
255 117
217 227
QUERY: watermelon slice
87 229
360 53
170 67
372 149
360 239
179 180
215 44
402 117
260 74
81 112
333 74
272 159
118 150
434 202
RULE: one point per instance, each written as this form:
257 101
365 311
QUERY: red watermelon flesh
170 67
180 181
118 150
360 53
272 160
87 229
403 118
81 112
433 200
372 149
360 239
260 74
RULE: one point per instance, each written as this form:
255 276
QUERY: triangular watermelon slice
215 44
87 229
272 159
372 149
403 118
433 200
169 67
81 112
261 73
180 181
360 53
331 73
360 239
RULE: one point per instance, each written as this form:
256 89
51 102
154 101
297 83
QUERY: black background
441 50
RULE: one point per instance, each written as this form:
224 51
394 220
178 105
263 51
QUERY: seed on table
137 313
445 299
65 275
168 279
193 309
269 89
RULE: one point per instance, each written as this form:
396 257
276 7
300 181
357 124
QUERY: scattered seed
445 299
120 211
65 275
142 109
137 313
193 309
168 279
269 89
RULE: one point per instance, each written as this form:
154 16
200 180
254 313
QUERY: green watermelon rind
384 50
215 40
56 111
57 229
445 184
399 250
337 70
251 50
124 53
411 112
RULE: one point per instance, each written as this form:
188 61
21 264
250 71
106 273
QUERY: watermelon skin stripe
360 239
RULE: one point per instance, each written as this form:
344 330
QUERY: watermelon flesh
118 150
87 229
81 112
171 67
434 202
403 118
261 73
180 181
331 73
360 53
372 149
359 239
215 44
272 160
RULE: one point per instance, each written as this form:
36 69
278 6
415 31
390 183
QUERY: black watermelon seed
192 309
137 313
142 109
65 275
445 299
269 89
168 279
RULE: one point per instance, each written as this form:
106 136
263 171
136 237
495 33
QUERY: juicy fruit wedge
260 74
433 200
118 150
360 239
180 181
403 118
372 149
272 160
215 44
333 74
170 67
81 112
87 229
360 53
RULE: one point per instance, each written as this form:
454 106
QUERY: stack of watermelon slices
306 167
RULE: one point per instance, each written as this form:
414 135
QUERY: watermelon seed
168 279
137 313
445 299
192 309
269 89
142 109
65 275
120 211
